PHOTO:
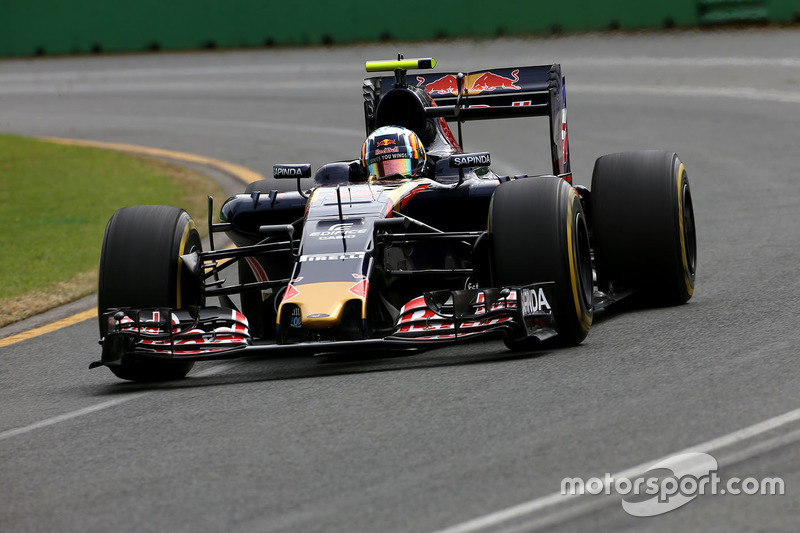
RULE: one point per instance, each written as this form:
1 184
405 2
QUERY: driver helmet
393 153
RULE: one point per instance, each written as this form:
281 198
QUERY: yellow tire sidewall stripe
684 258
585 320
182 250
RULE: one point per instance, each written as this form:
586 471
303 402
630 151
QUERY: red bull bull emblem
386 142
481 82
444 85
489 81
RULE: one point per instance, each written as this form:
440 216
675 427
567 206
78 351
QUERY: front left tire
140 267
537 233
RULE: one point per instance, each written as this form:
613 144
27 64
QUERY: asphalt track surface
468 439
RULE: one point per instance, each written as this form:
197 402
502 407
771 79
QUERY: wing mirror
475 159
284 172
288 172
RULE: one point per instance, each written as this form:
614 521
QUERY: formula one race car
415 245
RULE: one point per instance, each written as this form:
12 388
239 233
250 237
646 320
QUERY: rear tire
538 233
643 225
140 267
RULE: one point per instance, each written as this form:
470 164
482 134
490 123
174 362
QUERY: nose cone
321 304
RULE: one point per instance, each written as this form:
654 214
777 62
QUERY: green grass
55 201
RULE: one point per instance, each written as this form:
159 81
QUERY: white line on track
185 87
86 73
527 510
751 94
583 506
124 80
259 125
100 406
683 62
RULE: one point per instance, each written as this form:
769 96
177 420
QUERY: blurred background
47 27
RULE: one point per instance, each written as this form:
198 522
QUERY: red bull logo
489 81
481 82
444 85
380 151
385 142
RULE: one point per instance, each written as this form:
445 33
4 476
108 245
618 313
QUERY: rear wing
496 94
504 87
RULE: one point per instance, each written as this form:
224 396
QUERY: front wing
431 320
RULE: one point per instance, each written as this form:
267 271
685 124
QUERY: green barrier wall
783 10
44 27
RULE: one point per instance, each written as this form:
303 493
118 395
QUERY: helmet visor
382 169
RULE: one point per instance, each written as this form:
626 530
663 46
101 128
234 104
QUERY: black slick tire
140 267
538 233
643 226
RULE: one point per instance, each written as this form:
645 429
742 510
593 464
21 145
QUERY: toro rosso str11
415 245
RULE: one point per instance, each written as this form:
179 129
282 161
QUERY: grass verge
55 201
